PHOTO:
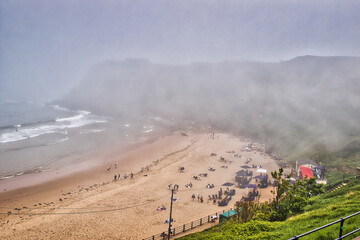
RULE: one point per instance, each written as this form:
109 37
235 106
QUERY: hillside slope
292 106
321 210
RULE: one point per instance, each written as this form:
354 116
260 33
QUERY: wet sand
91 205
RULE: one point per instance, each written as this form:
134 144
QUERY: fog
293 106
222 63
47 47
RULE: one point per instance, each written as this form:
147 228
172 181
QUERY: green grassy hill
320 210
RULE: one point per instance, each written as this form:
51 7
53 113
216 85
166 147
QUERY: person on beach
170 185
131 175
193 197
119 176
115 165
125 176
108 168
171 229
198 196
115 177
167 220
201 199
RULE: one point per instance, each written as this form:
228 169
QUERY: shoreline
90 162
129 201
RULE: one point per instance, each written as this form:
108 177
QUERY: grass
321 210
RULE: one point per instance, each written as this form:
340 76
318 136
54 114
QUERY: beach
91 204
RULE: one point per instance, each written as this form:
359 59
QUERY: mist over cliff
292 106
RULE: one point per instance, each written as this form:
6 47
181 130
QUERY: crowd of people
199 198
118 176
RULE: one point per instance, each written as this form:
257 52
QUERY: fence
187 226
341 221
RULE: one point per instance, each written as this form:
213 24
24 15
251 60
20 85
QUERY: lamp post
172 195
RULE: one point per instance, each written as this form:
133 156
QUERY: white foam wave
6 177
57 127
57 107
84 112
91 131
149 130
69 119
59 141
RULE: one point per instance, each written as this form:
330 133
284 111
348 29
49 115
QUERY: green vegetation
319 210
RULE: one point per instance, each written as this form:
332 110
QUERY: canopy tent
245 166
227 215
261 170
260 177
251 186
228 184
243 173
306 172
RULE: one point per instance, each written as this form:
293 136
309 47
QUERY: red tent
306 172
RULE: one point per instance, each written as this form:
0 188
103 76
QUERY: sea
42 137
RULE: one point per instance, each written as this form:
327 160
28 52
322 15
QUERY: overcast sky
46 46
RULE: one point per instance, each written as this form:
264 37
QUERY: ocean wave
6 177
59 141
58 126
16 174
57 107
84 112
91 131
69 119
149 130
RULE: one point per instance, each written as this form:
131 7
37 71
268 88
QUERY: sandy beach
91 205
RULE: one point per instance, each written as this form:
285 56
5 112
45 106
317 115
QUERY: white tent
261 170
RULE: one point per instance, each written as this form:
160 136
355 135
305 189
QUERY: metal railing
187 226
341 221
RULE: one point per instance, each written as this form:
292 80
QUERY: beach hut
227 215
